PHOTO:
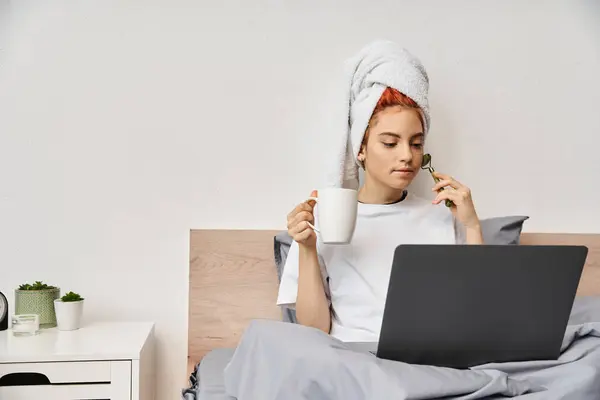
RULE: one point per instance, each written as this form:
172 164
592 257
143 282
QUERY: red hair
392 98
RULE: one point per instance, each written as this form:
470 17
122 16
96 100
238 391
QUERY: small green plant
37 285
426 164
71 297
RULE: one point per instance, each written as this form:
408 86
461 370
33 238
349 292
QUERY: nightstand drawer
57 372
60 392
65 380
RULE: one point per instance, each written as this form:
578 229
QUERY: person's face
394 147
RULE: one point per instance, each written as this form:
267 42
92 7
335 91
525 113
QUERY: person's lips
403 171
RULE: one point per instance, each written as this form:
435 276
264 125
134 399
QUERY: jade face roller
426 164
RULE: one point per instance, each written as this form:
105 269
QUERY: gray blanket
277 360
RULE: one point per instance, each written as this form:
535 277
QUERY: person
341 290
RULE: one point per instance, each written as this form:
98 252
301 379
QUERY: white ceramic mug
337 209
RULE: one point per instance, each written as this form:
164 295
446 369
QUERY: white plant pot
68 314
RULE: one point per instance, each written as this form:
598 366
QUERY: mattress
209 372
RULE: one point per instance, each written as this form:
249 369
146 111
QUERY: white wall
123 124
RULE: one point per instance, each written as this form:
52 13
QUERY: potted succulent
37 299
69 309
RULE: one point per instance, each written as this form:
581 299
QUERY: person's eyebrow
418 135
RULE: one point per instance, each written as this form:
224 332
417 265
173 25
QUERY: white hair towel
375 67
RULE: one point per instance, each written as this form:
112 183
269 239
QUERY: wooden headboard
233 280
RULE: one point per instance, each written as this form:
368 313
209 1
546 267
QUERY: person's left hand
463 207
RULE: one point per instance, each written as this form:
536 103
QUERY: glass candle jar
25 324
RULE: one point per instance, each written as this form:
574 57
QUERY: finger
445 177
304 206
458 197
304 213
303 216
314 193
294 230
304 235
299 228
295 211
449 194
446 183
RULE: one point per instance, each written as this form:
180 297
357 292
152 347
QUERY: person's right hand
297 223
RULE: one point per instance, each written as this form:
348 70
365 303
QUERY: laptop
460 306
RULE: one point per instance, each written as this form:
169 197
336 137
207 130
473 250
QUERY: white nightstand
99 361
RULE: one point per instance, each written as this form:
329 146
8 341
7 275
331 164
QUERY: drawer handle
24 379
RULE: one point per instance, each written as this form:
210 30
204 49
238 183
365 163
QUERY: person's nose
405 154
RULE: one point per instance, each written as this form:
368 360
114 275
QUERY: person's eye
389 144
418 145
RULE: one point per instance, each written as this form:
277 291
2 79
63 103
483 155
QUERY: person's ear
363 149
361 157
361 153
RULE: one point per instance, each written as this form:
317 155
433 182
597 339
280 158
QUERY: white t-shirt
358 273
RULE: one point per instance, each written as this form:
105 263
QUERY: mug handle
316 199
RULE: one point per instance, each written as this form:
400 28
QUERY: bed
234 280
